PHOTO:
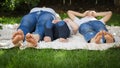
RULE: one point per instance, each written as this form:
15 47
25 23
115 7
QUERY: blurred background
21 7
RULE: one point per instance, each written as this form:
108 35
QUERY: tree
12 4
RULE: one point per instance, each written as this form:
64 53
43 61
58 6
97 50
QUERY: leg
87 31
102 30
98 26
39 30
27 22
62 30
49 32
44 18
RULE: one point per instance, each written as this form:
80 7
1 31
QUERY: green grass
9 20
49 58
115 20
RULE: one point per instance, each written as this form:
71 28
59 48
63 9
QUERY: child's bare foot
97 37
18 37
47 39
32 39
63 40
109 38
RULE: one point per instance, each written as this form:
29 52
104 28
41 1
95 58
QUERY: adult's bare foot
18 37
47 39
97 38
109 37
32 40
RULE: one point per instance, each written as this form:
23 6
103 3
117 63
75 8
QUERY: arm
106 15
72 24
73 14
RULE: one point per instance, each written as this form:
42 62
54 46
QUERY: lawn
50 58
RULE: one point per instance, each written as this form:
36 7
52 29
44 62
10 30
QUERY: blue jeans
58 30
91 28
34 22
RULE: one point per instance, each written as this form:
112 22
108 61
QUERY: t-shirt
45 9
85 19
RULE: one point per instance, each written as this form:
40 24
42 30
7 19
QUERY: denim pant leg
42 19
62 30
87 31
97 26
49 29
28 23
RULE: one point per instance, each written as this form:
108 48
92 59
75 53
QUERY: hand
93 13
86 13
55 21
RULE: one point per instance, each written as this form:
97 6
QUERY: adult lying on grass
31 26
91 28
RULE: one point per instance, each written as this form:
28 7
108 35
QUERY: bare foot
47 39
32 39
109 38
97 38
18 37
63 40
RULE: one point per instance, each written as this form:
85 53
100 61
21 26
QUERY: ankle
37 37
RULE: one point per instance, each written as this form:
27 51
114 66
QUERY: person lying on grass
56 30
91 28
60 29
31 28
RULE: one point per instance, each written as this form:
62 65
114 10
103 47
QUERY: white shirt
85 19
45 9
